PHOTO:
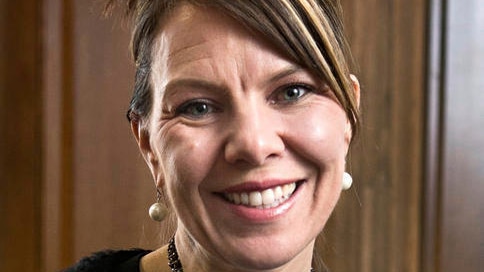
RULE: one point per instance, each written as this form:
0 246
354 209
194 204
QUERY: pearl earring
347 181
158 211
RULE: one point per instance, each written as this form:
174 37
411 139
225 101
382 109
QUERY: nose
254 137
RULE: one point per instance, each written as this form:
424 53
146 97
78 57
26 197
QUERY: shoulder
110 260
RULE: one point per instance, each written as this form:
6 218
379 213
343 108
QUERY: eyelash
307 89
274 98
184 108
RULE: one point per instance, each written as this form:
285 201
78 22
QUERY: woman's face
250 146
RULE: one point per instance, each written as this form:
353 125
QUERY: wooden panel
376 226
57 175
20 136
97 187
112 185
3 53
462 217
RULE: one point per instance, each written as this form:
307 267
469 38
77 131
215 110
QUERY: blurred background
72 180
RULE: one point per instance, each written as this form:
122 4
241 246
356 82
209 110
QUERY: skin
229 109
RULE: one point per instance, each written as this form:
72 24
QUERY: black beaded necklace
174 261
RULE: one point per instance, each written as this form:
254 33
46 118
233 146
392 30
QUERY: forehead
193 34
195 24
189 25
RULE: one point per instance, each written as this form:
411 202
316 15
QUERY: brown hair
310 32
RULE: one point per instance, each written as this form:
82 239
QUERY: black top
110 261
113 261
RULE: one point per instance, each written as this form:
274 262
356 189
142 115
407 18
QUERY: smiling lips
268 198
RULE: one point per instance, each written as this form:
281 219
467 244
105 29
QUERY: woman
244 112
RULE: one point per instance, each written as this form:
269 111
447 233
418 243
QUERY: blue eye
291 93
195 109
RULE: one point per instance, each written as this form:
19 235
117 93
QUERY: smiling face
249 146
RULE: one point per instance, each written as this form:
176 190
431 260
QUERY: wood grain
20 136
377 224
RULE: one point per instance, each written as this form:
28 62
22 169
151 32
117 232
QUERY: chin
260 261
265 253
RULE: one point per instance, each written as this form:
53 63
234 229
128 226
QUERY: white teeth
255 199
288 188
236 198
244 199
278 192
268 198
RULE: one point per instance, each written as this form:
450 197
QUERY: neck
194 257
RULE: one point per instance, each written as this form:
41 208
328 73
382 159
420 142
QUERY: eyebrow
287 71
209 86
193 84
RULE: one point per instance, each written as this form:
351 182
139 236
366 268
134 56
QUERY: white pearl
158 212
347 181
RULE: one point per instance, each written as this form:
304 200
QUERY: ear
356 90
142 137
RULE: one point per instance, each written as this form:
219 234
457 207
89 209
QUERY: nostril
253 148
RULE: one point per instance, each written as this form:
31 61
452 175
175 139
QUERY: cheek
187 157
319 135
